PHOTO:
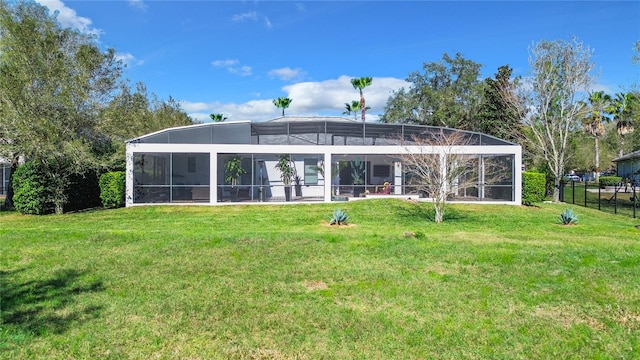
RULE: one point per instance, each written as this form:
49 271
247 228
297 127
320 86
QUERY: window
383 171
311 171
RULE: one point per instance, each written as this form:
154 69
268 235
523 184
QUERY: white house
335 158
5 172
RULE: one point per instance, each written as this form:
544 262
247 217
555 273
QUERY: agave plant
568 217
339 218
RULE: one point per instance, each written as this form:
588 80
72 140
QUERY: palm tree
622 110
361 83
217 117
351 108
282 102
593 123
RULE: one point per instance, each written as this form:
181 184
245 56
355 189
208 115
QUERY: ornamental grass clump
339 218
568 217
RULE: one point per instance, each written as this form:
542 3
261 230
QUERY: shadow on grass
424 210
48 305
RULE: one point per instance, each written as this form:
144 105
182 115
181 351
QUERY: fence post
586 183
615 199
561 195
635 201
599 195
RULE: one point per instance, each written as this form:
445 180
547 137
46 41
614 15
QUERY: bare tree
553 100
438 167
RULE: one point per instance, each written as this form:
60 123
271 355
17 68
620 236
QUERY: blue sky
235 57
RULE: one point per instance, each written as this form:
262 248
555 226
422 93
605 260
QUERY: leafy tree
361 83
559 72
132 114
283 103
593 123
217 117
496 114
53 81
447 93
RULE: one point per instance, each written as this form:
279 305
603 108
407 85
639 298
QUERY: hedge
112 189
610 180
533 187
30 192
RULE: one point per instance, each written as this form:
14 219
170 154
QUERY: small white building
335 159
5 173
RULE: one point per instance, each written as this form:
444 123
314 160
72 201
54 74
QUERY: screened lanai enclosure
321 159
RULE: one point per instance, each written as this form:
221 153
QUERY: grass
276 282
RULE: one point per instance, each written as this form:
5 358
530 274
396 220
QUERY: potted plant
357 172
287 172
233 170
298 185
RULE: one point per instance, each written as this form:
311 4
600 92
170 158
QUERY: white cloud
309 99
330 95
233 66
224 63
128 59
253 16
287 73
69 18
138 4
256 110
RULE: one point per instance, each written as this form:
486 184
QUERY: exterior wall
629 169
328 153
5 173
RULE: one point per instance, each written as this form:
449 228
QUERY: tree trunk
597 159
8 201
362 104
556 189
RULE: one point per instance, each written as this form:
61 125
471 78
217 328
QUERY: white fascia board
320 149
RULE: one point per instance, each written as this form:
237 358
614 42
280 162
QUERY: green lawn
275 282
621 203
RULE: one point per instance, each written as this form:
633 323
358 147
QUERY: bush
533 187
112 189
30 192
83 192
610 180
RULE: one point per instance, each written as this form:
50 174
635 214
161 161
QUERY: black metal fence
619 199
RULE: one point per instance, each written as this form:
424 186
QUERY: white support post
213 177
397 178
328 176
129 175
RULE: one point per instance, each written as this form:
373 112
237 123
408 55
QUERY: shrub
533 187
610 180
30 192
339 218
83 192
568 217
112 189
